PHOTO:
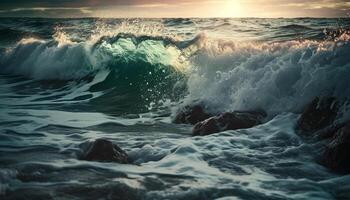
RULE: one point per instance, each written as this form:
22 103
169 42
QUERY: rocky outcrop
337 153
105 151
319 120
320 113
191 115
228 121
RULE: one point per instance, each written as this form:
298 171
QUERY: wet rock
207 127
329 131
105 151
337 153
320 113
191 115
228 121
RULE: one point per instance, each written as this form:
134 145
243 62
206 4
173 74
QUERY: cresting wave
63 59
277 77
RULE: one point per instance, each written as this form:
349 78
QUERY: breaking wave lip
137 39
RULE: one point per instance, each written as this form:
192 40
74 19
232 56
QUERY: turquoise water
64 82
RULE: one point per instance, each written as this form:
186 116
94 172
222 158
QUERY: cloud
86 3
81 9
321 4
174 8
47 12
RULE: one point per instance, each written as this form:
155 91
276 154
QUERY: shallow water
65 82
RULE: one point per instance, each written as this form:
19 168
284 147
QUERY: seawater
65 82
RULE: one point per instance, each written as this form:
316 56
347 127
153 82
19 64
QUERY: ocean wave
296 27
276 77
64 59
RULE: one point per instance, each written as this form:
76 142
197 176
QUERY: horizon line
301 17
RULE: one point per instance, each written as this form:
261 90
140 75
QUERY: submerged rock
105 151
337 153
320 113
191 115
228 121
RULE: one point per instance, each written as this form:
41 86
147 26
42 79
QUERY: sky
175 8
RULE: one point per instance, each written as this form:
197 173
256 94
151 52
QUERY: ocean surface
67 82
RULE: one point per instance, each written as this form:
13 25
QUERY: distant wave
296 27
8 34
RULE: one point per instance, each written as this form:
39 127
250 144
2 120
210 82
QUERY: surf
225 73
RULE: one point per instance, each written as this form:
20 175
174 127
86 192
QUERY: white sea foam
276 77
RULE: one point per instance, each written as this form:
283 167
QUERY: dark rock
320 113
105 151
207 127
328 132
337 153
228 121
191 115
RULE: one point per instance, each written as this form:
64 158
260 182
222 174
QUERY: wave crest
276 77
63 59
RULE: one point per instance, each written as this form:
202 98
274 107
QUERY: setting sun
231 8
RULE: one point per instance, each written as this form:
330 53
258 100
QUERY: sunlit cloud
321 4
